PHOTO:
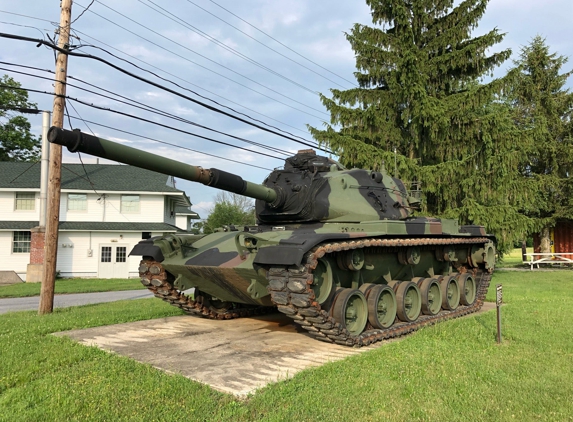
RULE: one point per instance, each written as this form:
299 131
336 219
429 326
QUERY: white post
44 167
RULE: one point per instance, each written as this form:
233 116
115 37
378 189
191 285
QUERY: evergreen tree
419 92
543 108
16 141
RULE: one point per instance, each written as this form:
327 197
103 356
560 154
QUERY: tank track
291 291
154 277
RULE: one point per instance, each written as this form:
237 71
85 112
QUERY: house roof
187 211
94 226
87 177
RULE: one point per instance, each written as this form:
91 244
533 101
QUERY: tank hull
233 267
343 285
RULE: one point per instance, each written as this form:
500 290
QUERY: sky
223 50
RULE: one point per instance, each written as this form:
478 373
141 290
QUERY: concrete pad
9 277
236 356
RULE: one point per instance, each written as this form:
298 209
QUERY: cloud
204 206
279 13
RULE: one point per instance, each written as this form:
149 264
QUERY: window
120 254
77 201
21 243
106 254
25 201
146 235
129 203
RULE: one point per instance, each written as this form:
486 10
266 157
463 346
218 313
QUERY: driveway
76 299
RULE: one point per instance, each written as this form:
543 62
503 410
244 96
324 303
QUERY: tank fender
147 248
291 251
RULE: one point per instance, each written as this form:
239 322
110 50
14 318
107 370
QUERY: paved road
76 299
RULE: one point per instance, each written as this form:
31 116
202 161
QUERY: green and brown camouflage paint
313 201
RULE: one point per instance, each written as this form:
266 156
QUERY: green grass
513 259
72 285
454 371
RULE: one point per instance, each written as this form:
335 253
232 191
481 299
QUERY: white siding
73 259
93 212
17 262
152 209
109 209
8 213
75 262
181 221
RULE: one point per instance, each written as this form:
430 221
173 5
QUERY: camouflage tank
336 250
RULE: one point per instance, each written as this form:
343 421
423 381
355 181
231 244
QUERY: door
113 261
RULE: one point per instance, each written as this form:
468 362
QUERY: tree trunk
545 241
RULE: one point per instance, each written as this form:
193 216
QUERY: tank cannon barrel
77 141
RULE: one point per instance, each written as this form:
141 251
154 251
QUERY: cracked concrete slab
236 356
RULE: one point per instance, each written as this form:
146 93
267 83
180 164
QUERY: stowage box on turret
335 249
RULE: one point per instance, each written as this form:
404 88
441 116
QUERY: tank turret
336 250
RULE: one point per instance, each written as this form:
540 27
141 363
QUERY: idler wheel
431 296
409 301
450 293
322 284
351 310
382 306
467 286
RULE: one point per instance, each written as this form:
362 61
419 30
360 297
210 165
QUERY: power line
191 83
22 26
162 87
159 112
85 121
81 118
186 81
170 144
168 127
201 55
284 45
22 110
30 17
141 119
145 107
221 44
272 49
80 15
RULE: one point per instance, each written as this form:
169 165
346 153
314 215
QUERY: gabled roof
107 177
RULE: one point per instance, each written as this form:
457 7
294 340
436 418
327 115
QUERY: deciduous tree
230 209
16 141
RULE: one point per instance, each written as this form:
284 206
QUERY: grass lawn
513 259
73 285
454 371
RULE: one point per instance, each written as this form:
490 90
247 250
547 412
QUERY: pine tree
418 73
543 109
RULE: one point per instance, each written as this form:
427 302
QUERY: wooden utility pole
55 169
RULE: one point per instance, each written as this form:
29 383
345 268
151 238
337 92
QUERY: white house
105 210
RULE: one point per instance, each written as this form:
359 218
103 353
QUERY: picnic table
537 258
